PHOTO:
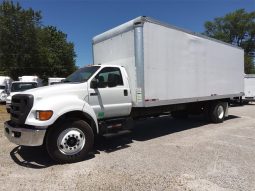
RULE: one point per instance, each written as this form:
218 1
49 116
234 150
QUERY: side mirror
94 83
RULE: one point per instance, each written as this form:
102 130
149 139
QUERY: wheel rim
220 112
71 141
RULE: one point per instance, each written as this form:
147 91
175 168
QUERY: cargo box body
167 65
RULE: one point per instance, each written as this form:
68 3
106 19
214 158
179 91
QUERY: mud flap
226 109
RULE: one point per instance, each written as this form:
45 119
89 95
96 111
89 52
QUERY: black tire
182 114
217 112
56 132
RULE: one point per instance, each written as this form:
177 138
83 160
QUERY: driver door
112 96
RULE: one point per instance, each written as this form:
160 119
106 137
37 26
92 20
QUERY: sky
81 20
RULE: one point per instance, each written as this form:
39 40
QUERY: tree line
29 48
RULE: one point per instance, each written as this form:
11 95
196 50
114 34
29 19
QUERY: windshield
19 87
82 75
2 87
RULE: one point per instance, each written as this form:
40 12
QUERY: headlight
43 115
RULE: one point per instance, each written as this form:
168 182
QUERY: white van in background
24 83
31 79
249 88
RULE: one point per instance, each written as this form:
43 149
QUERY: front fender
88 109
59 106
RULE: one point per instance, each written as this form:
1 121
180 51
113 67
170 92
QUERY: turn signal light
44 115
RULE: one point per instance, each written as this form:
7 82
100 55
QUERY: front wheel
70 141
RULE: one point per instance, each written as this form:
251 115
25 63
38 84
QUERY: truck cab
85 98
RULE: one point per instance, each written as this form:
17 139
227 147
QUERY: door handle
125 93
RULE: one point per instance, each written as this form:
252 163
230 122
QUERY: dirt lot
160 154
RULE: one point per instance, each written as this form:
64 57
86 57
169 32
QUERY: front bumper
24 136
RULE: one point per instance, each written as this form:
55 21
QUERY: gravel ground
160 154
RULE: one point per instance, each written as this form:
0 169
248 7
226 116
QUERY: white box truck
24 83
5 82
142 68
249 88
31 79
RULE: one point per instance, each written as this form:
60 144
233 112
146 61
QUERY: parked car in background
24 83
5 82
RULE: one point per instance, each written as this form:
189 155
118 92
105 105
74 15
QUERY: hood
78 89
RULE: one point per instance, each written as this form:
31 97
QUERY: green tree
17 38
237 28
56 54
28 48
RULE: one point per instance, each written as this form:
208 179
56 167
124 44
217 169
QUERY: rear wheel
70 141
217 112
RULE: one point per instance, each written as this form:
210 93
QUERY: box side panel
249 86
118 50
178 65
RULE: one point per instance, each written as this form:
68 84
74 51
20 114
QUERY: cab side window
109 77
